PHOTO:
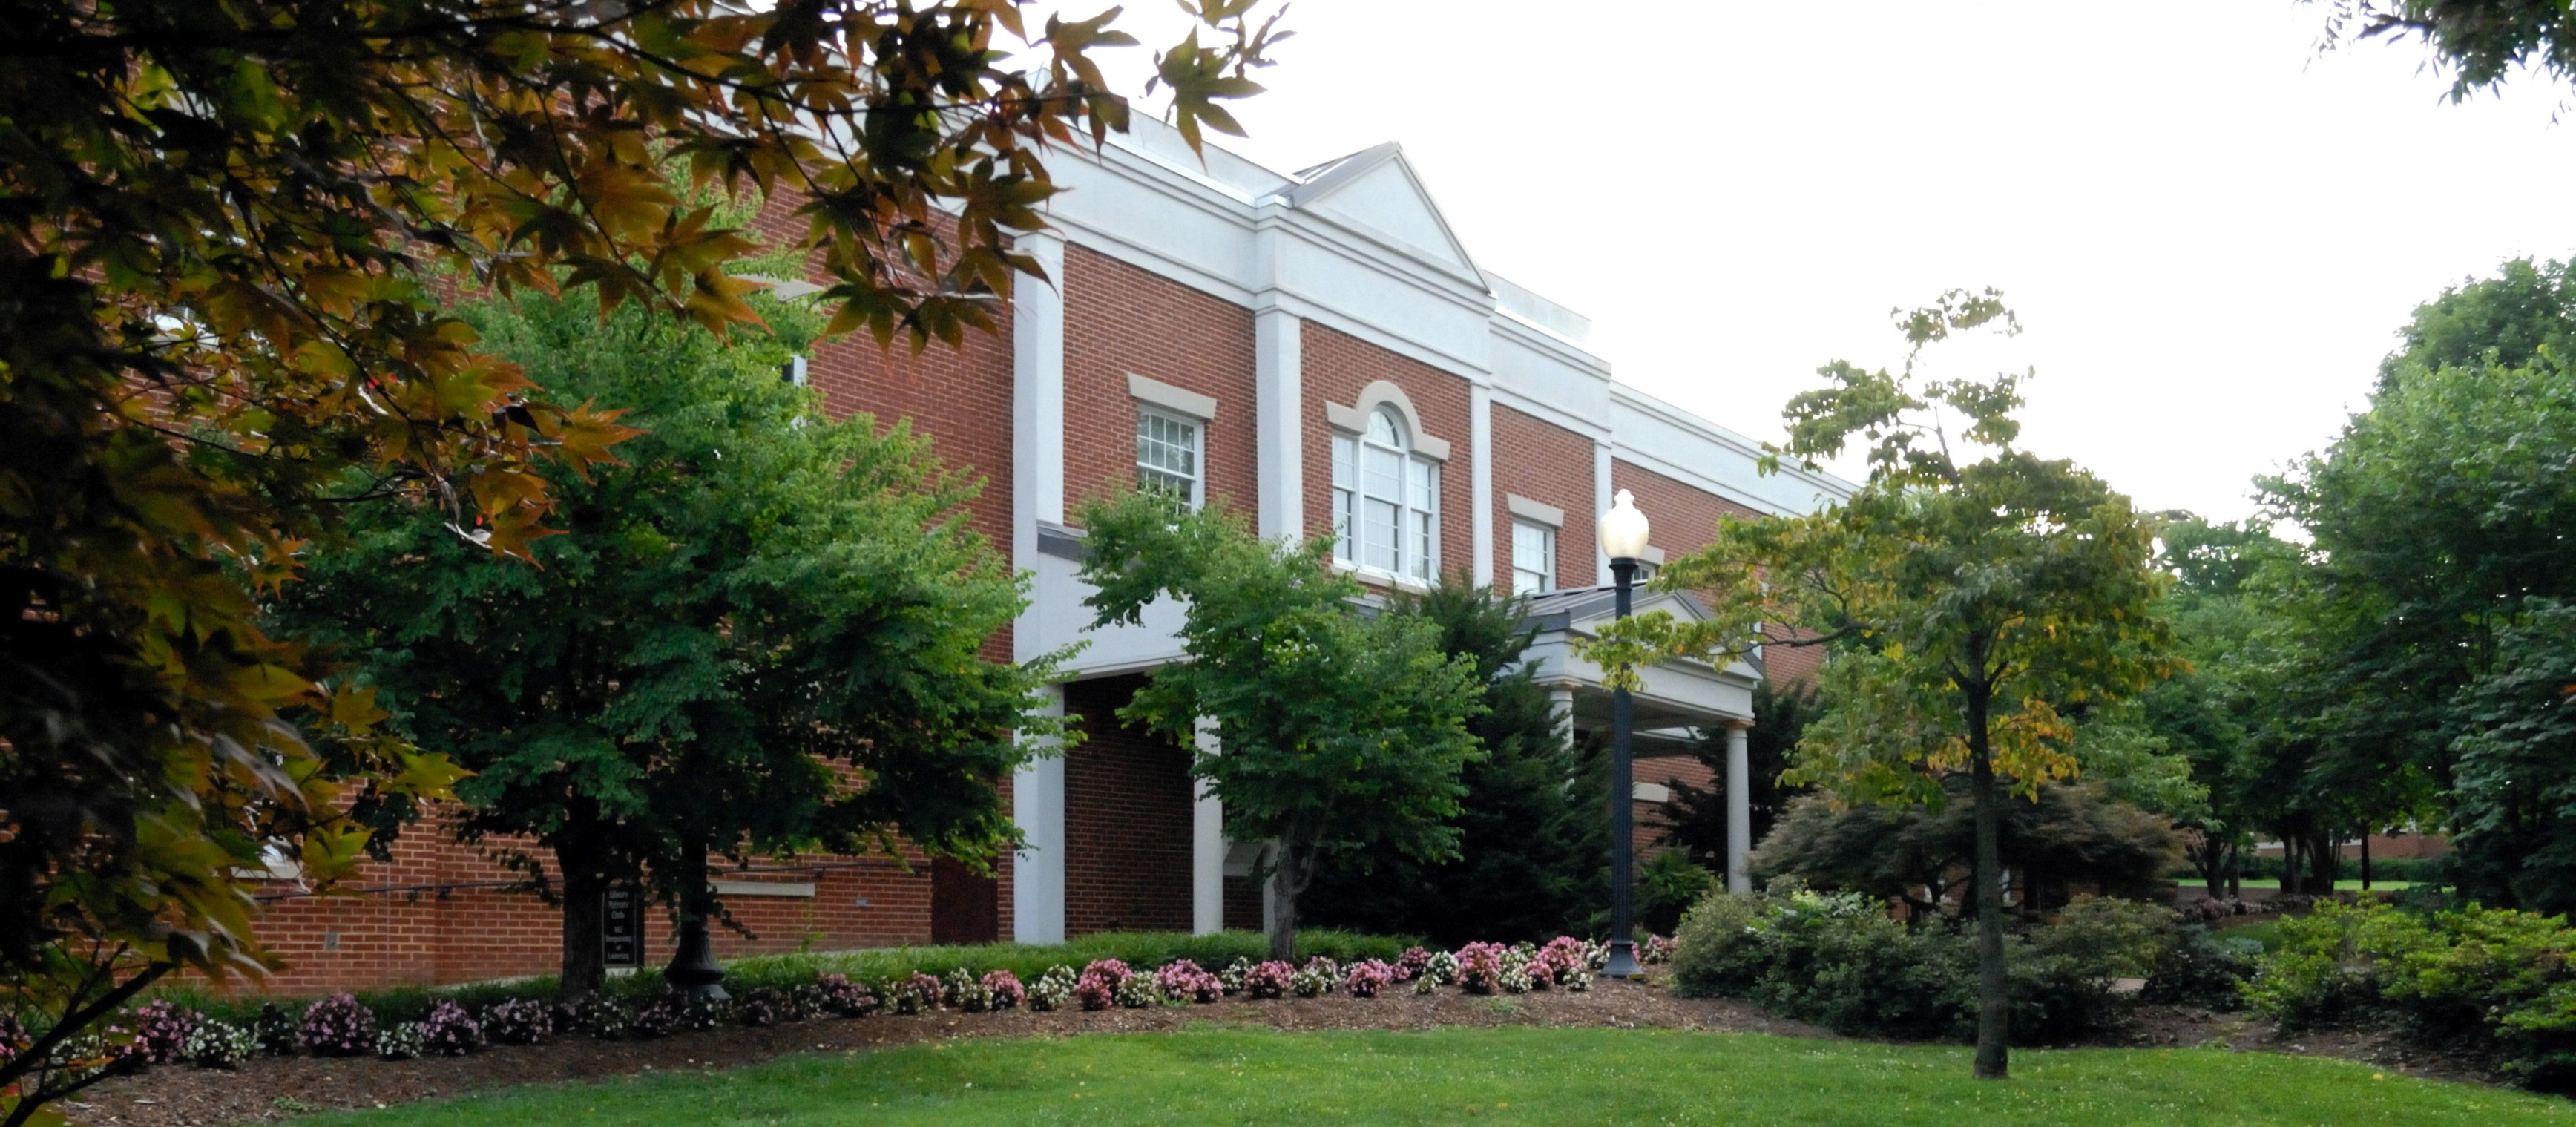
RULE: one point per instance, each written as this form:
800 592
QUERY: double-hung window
1386 500
1533 558
1167 457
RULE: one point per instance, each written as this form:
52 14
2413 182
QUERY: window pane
1417 486
1382 429
1343 549
1382 476
1342 444
1527 582
1167 455
1423 537
1378 534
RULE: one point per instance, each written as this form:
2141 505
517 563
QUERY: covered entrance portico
1679 701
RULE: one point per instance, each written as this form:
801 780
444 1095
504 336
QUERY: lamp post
694 970
1623 539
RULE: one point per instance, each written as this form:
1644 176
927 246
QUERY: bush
762 1006
161 1031
915 993
843 998
1185 981
1269 978
519 1021
402 1041
1136 992
1005 989
1320 976
602 1016
1563 961
217 1044
2202 968
1232 977
1839 960
274 1030
1052 989
1667 885
1367 977
338 1026
1480 968
1097 989
1411 964
449 1031
965 992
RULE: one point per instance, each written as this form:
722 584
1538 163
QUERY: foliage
1097 989
2065 835
2478 42
760 632
1268 978
1050 990
2203 968
1696 819
519 1021
1839 960
1186 981
229 231
2424 615
1532 847
160 1030
2494 981
960 990
449 1031
1978 607
218 1044
338 1026
1667 885
403 1041
1005 989
1336 728
1368 977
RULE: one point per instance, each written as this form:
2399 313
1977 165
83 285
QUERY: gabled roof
1376 190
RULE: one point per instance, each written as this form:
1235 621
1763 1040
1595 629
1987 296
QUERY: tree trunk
2329 863
585 967
1994 1000
2290 865
1284 887
2365 859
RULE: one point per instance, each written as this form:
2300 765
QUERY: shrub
1654 950
338 1026
2203 968
1667 885
1232 977
601 1016
1136 992
275 1031
965 993
219 1044
1186 981
674 1011
1052 989
519 1021
1269 978
449 1031
13 1038
841 997
1480 968
1563 961
1441 969
1411 964
403 1041
914 993
1320 976
1097 989
1005 989
763 1006
161 1031
1367 977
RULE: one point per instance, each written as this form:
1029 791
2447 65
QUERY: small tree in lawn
1336 726
1975 602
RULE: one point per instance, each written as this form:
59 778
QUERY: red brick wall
1551 465
1335 367
1127 819
1120 319
409 922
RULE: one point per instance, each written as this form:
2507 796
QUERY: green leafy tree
2516 824
759 632
2478 42
2069 834
221 261
1975 603
1696 819
1531 841
1340 729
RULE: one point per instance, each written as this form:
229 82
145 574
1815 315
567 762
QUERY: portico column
1739 806
1207 847
1037 870
1560 703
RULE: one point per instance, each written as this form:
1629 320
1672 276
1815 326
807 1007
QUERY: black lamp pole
694 969
1623 803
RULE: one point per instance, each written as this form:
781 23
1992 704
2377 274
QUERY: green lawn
1214 1075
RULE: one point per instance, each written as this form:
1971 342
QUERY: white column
1480 436
1207 847
1739 809
1278 370
1037 872
1600 505
1560 701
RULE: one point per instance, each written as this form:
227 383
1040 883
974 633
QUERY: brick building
1313 348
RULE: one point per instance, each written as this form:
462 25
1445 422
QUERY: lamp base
1623 961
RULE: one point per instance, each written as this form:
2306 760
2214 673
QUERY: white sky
2211 232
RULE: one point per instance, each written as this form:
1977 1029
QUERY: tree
1531 847
2517 766
2069 834
755 602
1339 728
227 230
1975 604
2478 41
1696 819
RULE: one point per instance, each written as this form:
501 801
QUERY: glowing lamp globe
1623 528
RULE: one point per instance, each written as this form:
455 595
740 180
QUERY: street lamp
1623 539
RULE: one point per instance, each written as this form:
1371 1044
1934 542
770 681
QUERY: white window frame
1412 492
1196 432
1544 575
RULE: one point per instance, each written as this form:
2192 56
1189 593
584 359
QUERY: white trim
1654 556
1177 400
1380 577
1385 393
1653 792
1480 484
1538 512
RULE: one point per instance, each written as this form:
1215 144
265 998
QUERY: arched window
1386 499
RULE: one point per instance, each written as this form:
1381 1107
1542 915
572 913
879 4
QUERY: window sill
1380 578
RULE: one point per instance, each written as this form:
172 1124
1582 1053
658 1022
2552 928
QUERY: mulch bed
282 1087
278 1088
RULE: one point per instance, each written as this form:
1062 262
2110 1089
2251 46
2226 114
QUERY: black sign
621 932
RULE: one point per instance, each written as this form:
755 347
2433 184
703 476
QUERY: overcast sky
2211 231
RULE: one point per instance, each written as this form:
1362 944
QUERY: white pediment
1376 191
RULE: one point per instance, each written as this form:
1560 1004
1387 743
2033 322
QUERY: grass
1142 949
1211 1074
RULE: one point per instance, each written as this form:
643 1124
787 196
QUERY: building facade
1314 349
